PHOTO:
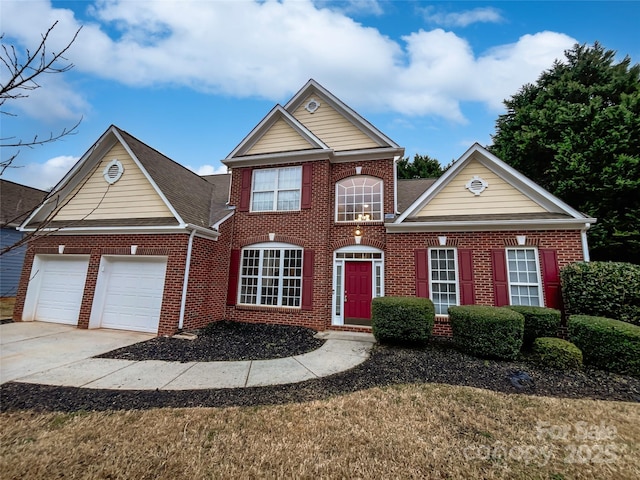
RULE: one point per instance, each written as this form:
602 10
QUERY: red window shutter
551 278
307 280
307 176
422 272
465 266
234 271
245 190
500 281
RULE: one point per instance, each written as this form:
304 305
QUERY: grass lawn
408 431
6 307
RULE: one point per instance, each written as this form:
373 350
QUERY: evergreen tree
576 132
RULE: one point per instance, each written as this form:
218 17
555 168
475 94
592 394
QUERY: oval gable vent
113 171
476 185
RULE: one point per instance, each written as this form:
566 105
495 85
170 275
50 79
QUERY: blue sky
191 79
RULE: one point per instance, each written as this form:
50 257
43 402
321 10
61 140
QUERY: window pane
443 279
359 199
276 189
523 277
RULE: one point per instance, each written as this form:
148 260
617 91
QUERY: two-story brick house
309 226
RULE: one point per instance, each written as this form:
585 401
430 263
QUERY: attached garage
56 288
129 293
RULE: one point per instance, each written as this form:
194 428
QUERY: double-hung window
443 279
276 189
359 199
271 275
524 276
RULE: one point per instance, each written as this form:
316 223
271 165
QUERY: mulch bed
225 341
438 362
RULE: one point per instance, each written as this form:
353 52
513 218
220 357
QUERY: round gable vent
476 185
113 171
312 105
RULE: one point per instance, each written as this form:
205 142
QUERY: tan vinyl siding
279 138
132 196
499 197
332 128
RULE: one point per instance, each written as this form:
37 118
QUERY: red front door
357 294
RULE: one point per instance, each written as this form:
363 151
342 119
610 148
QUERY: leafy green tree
576 132
422 166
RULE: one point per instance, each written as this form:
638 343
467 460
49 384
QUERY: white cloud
462 19
268 49
355 7
42 175
209 170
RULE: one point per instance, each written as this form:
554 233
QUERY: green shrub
538 322
493 332
608 344
405 320
556 353
602 289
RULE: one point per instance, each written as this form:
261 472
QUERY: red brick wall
208 279
399 259
313 228
174 246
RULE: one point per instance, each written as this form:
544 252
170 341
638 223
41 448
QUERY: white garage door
129 293
56 288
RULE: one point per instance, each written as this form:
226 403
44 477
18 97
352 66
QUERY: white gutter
185 283
478 225
585 244
395 185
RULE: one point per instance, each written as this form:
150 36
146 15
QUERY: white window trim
337 318
356 220
456 271
270 246
275 190
538 273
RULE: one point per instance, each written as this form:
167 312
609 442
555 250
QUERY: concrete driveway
32 347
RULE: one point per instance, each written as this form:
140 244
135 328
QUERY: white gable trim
149 179
85 167
259 130
351 115
523 184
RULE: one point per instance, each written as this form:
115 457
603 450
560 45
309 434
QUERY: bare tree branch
21 77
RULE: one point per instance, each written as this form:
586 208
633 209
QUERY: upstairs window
359 199
524 276
276 189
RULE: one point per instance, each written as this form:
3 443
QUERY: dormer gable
313 125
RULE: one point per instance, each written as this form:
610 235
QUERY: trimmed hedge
602 289
538 322
608 344
402 320
556 353
493 332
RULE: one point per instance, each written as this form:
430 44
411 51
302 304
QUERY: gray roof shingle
17 202
196 200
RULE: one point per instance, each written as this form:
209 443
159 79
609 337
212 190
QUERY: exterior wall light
357 235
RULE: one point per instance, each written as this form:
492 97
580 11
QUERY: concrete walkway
54 354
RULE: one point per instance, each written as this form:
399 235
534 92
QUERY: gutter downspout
185 283
395 185
585 244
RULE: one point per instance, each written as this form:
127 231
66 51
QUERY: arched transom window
359 199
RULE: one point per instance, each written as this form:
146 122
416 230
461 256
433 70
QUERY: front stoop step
335 335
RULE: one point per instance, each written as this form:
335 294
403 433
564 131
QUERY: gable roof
17 202
318 149
315 145
189 197
556 214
